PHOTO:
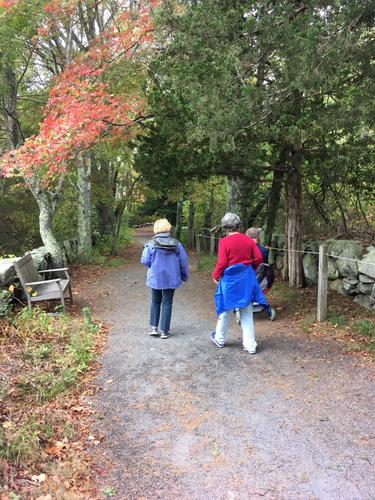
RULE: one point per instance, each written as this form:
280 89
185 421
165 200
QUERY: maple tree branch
133 122
27 64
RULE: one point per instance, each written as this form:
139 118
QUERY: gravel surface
182 418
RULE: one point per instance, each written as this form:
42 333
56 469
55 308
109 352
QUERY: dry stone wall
351 267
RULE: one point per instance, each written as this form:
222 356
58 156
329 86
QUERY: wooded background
113 113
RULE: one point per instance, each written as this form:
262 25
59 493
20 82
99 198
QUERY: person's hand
215 281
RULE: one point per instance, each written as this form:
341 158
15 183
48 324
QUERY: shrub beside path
182 418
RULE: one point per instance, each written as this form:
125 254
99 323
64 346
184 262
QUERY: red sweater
236 248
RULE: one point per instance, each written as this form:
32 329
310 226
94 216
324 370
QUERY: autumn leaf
82 110
38 479
56 448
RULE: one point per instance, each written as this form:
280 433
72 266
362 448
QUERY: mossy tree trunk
84 237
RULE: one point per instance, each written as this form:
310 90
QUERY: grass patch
115 262
43 359
365 328
206 263
308 322
337 320
108 492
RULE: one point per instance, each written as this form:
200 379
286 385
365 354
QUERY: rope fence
322 255
305 252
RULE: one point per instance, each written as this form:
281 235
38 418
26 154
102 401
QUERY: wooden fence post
212 243
322 284
198 242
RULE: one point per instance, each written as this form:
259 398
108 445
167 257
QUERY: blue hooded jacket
166 268
238 287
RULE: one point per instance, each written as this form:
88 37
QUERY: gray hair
230 221
253 232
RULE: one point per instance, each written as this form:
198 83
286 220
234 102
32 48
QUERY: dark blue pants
161 299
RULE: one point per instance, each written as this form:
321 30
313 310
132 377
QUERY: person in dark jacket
253 233
167 264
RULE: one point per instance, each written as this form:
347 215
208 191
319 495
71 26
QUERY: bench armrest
35 283
53 270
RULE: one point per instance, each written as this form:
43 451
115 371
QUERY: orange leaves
81 109
8 4
61 8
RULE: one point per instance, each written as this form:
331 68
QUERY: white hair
230 221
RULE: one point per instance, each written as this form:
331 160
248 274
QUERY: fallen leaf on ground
38 479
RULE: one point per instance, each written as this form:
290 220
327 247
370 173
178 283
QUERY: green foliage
101 254
34 321
23 443
365 328
19 220
5 303
54 352
108 492
235 87
89 324
38 354
206 263
337 319
56 362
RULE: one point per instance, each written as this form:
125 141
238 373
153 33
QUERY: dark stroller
265 277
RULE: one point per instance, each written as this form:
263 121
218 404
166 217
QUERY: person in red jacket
235 248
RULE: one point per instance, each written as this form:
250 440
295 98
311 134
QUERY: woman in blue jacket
167 264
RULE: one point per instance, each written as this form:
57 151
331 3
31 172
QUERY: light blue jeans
247 324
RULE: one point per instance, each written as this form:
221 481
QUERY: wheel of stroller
273 314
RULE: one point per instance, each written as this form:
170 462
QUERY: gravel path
182 418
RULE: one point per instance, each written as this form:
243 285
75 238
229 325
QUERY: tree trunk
12 123
208 216
84 209
178 219
108 223
46 210
105 218
285 271
256 211
294 222
237 193
45 201
273 205
190 235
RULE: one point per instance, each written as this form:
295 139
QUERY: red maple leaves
81 109
8 4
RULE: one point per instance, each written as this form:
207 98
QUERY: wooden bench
36 289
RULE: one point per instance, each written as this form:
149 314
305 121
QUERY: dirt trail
182 418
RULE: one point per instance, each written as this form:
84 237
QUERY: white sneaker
250 351
154 331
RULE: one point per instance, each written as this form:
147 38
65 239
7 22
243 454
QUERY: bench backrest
26 269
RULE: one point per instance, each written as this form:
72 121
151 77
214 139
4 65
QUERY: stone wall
351 267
